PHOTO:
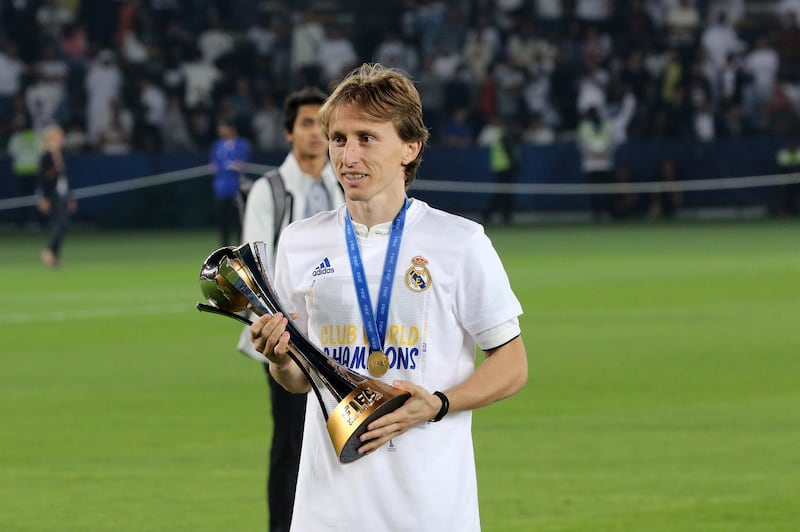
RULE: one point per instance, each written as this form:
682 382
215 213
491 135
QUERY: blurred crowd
152 75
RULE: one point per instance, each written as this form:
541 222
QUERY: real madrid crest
417 277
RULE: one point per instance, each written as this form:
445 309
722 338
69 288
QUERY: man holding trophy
397 291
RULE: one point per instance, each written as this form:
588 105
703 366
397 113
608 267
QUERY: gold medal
377 363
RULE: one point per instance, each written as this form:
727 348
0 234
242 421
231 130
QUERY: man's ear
411 151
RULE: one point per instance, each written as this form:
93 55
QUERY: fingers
418 408
269 336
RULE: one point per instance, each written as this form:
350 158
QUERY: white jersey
449 286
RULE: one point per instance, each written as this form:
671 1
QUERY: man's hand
270 338
420 407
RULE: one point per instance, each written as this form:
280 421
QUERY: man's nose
350 152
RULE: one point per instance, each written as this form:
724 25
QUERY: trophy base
349 420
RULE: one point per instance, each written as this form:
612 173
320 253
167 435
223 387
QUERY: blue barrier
189 203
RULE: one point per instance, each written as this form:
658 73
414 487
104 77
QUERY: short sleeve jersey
449 286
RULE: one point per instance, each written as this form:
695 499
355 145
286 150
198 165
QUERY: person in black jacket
54 199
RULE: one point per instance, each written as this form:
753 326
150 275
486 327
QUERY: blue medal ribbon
375 322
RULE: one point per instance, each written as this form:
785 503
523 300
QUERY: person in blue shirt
228 155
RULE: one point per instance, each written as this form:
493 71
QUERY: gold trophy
235 279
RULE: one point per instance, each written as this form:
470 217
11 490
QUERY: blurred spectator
431 91
537 97
504 163
11 70
592 89
478 54
789 46
596 48
51 18
523 45
52 66
75 43
215 42
307 37
781 114
761 64
719 40
427 20
54 198
596 144
132 38
457 89
550 14
201 125
595 12
509 89
199 78
683 23
262 35
787 197
75 138
43 99
635 76
620 108
103 86
392 52
458 131
228 154
337 56
735 10
150 120
116 137
175 132
784 8
538 132
25 150
665 204
267 125
446 61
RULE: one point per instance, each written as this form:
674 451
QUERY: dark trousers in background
502 203
58 223
230 225
288 416
600 203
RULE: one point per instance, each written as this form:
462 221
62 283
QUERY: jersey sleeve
484 298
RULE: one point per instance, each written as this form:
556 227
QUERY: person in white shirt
103 85
310 186
337 54
11 70
443 291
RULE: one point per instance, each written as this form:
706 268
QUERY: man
54 198
442 291
504 164
309 186
228 155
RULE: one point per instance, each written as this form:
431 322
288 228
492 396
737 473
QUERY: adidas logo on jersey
323 268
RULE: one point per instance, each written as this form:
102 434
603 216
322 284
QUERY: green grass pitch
664 390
